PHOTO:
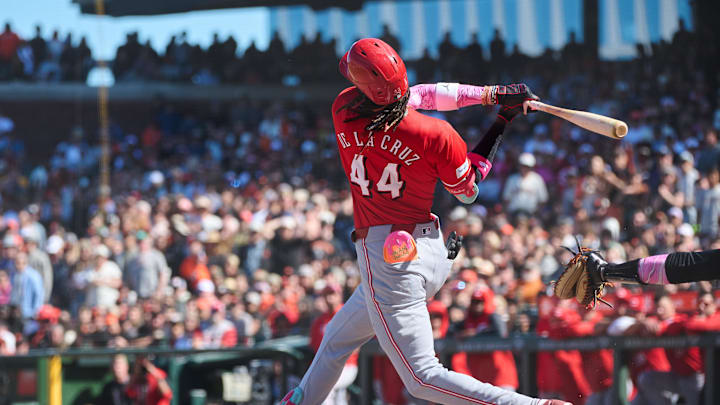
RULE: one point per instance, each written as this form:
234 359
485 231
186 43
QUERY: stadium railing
76 376
526 349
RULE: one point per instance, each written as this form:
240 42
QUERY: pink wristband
481 163
651 270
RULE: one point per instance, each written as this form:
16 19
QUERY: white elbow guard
446 96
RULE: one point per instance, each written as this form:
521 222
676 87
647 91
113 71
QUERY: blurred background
175 222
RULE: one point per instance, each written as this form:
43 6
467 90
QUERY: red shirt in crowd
596 363
572 381
9 42
149 393
393 174
497 367
683 361
688 361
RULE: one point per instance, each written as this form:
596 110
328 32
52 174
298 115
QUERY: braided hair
382 117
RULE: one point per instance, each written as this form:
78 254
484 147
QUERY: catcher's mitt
581 278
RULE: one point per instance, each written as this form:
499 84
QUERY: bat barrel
597 123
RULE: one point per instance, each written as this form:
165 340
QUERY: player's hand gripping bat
597 123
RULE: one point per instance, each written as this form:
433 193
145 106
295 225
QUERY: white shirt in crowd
103 296
525 193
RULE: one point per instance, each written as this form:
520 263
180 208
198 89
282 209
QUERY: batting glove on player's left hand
511 94
511 98
453 245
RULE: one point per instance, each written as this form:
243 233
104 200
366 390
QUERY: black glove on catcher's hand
453 245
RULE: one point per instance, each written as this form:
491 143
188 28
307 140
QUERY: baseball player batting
393 157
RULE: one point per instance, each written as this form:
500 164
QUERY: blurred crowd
43 59
229 224
311 60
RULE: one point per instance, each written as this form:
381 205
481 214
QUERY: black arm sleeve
488 145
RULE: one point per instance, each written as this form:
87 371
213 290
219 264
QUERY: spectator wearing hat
686 377
104 282
27 287
147 272
687 178
526 190
286 247
55 248
498 367
12 243
38 259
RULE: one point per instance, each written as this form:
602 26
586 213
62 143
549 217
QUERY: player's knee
422 387
417 390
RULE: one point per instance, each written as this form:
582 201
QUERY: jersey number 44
390 181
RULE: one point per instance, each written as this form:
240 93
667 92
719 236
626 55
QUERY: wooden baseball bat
597 123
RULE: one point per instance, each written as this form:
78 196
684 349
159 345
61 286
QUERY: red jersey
497 367
595 363
148 391
393 174
683 361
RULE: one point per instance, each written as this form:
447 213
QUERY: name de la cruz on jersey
396 147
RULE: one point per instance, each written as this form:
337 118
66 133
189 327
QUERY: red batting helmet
376 69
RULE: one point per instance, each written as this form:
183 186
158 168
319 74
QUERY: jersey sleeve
448 152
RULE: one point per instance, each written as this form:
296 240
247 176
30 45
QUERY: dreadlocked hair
382 117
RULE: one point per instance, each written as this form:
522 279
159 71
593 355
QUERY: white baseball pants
391 304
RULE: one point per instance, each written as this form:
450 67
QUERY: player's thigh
405 334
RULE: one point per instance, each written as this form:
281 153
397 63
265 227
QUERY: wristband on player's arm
511 94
